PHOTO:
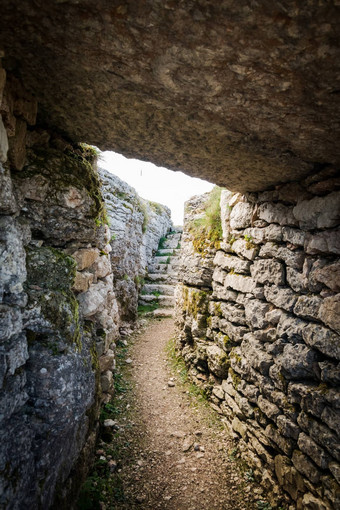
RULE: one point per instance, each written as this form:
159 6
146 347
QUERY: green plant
207 230
263 505
113 237
249 476
161 243
150 307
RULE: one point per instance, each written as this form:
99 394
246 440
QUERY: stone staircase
159 287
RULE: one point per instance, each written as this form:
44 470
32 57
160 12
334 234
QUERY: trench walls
66 295
258 325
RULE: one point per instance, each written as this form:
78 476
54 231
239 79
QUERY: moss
323 388
218 310
71 168
235 356
226 341
50 268
198 303
235 378
50 277
209 321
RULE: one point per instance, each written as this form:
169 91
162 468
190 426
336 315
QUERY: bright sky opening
156 183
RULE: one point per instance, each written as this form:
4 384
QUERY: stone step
165 251
159 268
171 243
162 277
167 290
164 301
161 259
145 299
162 312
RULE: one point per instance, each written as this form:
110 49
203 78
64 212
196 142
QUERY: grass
198 396
207 231
161 243
102 485
143 309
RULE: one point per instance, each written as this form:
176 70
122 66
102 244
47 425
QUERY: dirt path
168 453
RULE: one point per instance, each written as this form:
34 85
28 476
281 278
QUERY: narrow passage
170 453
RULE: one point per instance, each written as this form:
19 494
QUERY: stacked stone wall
261 332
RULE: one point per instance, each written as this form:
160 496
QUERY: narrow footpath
167 450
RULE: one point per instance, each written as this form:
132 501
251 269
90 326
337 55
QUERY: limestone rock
277 213
320 212
240 283
323 339
82 281
85 257
164 84
217 361
288 477
310 502
327 241
329 312
245 249
229 262
329 275
308 307
255 311
268 271
281 297
305 466
240 216
299 362
313 450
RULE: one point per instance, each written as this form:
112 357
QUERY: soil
165 449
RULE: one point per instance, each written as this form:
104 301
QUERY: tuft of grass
178 366
207 231
143 309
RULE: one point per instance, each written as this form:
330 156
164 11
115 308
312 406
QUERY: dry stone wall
60 311
261 331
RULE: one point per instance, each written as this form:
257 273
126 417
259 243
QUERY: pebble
111 423
187 445
171 384
113 466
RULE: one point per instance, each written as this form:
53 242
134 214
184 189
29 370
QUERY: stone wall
260 331
136 227
59 313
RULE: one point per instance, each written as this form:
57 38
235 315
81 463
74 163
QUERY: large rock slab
137 72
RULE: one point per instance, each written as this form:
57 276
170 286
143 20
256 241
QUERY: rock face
61 307
136 226
264 77
260 331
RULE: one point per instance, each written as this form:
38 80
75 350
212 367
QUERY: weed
249 476
263 505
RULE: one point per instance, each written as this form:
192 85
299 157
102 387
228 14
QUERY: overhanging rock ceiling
242 93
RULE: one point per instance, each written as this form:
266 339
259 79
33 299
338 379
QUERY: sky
155 183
